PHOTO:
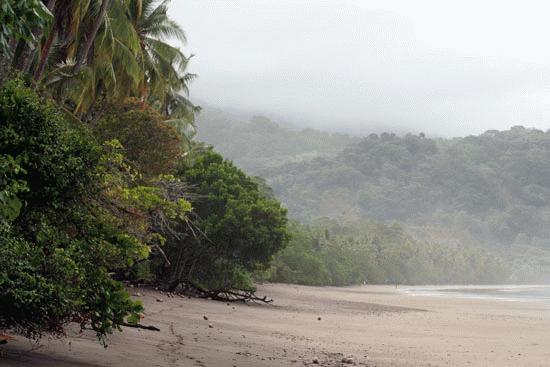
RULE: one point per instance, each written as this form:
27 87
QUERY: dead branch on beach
140 326
223 295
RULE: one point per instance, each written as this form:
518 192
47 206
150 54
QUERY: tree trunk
83 51
23 53
44 53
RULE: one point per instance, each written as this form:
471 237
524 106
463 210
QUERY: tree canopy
240 228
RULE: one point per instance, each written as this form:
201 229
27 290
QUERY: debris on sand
4 338
348 360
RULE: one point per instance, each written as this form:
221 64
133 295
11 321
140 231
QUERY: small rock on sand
205 317
210 326
315 360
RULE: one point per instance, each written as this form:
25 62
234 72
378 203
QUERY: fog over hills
443 68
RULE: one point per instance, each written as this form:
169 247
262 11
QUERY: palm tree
113 49
165 78
84 50
92 49
64 28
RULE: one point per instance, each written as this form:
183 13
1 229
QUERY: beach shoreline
372 325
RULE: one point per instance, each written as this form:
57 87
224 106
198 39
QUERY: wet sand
373 325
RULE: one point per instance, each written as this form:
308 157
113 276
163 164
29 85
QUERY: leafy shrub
10 204
240 228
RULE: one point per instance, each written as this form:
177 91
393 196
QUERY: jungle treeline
327 252
100 179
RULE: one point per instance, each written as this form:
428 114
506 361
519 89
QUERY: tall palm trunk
44 53
83 51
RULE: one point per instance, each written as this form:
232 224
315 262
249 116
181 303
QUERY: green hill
491 188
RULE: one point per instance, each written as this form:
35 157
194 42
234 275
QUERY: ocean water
500 292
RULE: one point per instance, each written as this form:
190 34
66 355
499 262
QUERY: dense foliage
76 212
150 143
99 175
240 229
18 18
58 244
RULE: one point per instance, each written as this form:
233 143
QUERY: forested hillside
491 190
258 142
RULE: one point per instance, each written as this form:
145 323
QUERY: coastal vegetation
100 180
104 181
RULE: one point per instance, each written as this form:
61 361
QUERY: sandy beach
372 325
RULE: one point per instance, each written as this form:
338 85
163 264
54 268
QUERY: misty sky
442 67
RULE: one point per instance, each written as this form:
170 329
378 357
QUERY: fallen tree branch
140 326
224 295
